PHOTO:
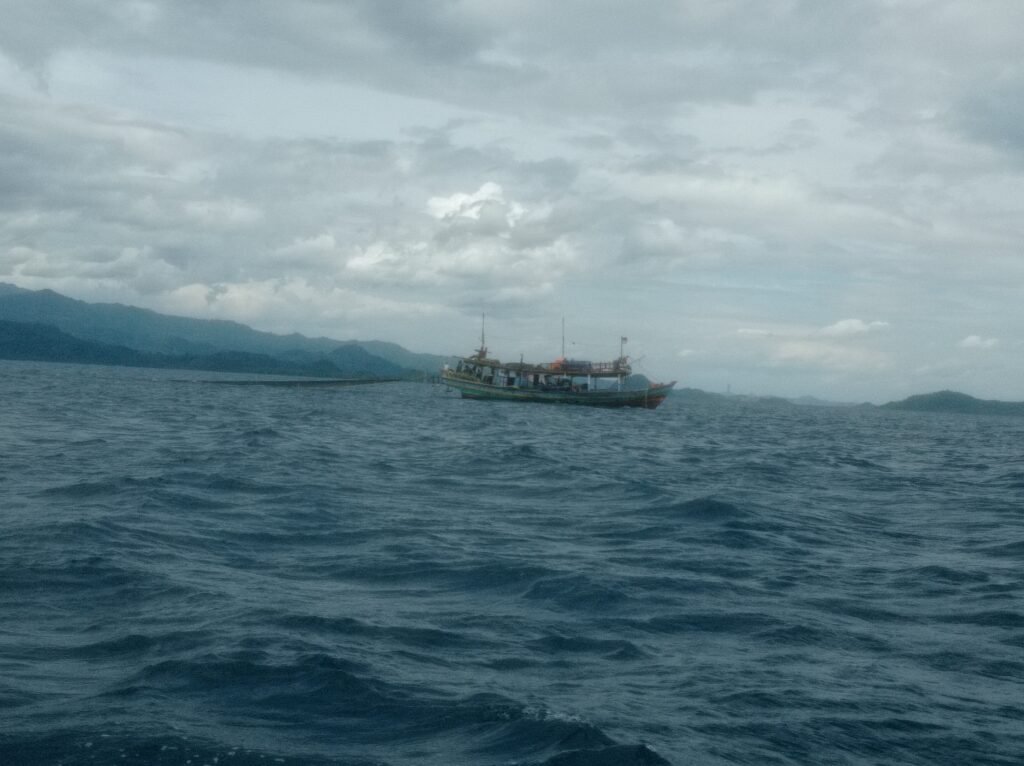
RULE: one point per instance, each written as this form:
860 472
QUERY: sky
785 197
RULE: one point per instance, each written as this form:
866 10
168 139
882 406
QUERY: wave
739 623
113 745
1014 550
346 703
934 573
122 648
698 509
612 755
994 618
557 644
577 592
408 636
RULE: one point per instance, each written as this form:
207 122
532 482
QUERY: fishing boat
563 381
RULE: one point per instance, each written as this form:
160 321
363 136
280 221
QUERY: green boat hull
648 398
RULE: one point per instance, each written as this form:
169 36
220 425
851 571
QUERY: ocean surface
196 573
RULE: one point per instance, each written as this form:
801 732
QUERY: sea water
200 573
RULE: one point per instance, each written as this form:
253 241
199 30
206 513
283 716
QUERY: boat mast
622 351
482 352
563 337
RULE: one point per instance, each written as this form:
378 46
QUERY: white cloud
490 264
976 341
489 198
476 242
466 205
381 261
847 327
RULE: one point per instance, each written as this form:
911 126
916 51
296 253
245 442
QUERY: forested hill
148 332
45 343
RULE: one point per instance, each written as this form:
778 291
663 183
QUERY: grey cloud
555 59
439 31
560 58
995 115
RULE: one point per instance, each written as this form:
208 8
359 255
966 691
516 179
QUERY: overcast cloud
790 197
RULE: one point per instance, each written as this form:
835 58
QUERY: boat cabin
560 375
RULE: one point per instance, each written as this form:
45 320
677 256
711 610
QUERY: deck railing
571 366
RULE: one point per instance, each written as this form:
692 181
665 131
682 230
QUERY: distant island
941 401
955 402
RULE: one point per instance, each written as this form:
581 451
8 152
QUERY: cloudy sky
778 196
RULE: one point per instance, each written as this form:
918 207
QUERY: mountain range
43 325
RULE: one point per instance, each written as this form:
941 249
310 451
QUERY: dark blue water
212 574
